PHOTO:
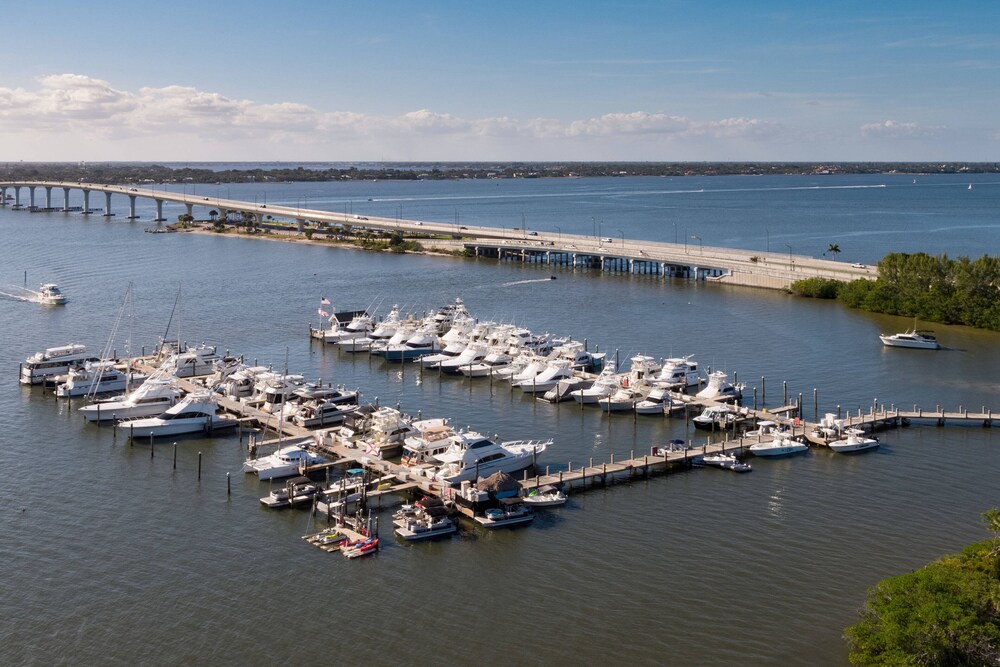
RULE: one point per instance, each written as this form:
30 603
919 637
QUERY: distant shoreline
133 173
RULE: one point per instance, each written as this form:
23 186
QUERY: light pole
594 220
559 232
622 234
790 265
701 246
767 233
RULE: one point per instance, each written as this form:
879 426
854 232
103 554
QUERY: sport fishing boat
195 413
283 463
152 397
473 455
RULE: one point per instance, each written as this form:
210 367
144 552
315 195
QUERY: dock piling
199 466
175 456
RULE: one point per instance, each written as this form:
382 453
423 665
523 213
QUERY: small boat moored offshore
914 338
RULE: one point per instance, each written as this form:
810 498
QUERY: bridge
775 270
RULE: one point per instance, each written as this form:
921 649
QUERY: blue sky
515 80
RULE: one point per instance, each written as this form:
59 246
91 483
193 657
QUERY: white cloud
77 117
893 129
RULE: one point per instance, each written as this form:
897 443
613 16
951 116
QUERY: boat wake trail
17 297
526 282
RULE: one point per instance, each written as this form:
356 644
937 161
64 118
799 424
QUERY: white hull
889 341
413 530
509 464
774 451
156 427
123 410
846 448
106 387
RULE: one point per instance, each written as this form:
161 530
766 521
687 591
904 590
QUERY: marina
923 486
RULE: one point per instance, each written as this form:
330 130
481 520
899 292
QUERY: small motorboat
545 496
724 461
856 441
781 445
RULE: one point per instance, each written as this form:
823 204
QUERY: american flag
324 313
324 301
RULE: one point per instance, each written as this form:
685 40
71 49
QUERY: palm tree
833 249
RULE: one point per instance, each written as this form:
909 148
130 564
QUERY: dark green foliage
947 613
933 289
820 288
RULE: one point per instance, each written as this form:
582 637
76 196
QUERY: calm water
112 556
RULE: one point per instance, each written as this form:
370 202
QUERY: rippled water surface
113 556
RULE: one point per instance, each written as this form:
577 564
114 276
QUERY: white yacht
152 397
474 353
715 418
856 441
319 412
554 371
424 341
195 413
430 438
382 332
679 372
720 388
643 368
359 326
606 384
53 361
916 339
285 462
50 295
622 399
197 360
96 377
782 444
494 361
404 330
473 455
656 402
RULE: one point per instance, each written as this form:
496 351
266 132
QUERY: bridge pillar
107 205
65 199
159 210
223 214
86 201
300 224
3 196
189 208
48 196
31 196
131 208
17 196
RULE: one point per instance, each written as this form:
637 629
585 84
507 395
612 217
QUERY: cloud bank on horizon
77 117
